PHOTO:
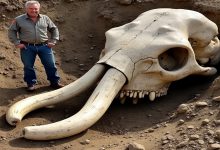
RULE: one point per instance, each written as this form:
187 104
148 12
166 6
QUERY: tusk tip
14 121
27 135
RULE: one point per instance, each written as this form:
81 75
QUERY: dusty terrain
154 125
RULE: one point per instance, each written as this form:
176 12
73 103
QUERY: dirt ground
154 125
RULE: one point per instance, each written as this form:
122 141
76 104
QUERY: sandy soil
154 125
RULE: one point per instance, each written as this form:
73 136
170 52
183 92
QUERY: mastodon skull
140 58
159 47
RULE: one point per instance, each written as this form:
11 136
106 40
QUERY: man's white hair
28 3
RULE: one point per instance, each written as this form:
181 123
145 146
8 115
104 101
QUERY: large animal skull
141 58
159 47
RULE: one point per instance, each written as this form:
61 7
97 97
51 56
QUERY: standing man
28 32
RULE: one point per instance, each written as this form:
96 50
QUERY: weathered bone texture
92 111
161 46
143 58
21 108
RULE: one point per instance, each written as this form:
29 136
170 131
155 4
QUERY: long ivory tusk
17 111
92 111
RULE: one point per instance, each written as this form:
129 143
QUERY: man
29 33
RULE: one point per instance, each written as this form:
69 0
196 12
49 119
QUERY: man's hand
50 44
20 46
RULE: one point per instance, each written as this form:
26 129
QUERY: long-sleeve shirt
24 29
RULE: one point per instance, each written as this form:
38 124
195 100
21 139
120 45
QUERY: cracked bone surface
143 58
161 46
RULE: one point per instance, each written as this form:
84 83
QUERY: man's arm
12 33
52 28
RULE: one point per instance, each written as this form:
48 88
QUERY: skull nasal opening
173 59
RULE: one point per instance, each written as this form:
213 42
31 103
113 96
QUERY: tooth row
139 94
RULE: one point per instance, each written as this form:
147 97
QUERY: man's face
33 10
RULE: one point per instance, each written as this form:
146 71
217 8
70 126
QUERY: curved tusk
92 111
17 111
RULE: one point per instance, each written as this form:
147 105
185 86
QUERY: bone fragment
92 111
17 111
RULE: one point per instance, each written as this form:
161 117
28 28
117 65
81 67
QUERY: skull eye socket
173 59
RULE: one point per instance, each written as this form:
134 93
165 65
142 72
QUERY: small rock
217 134
150 130
90 35
165 142
170 137
214 146
201 104
183 108
135 146
181 121
182 144
217 122
210 141
194 137
81 65
205 121
210 132
217 98
190 127
87 141
2 57
201 142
